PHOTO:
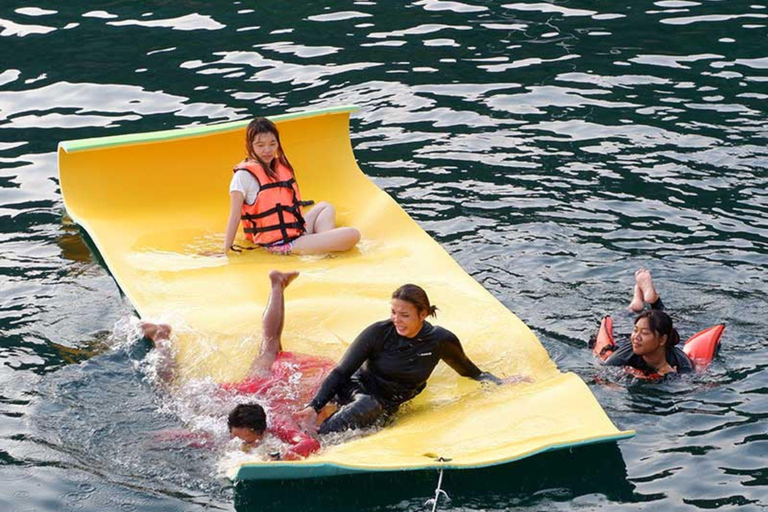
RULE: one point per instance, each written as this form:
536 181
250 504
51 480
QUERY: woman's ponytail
416 296
661 323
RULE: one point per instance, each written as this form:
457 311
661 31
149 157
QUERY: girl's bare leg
272 322
637 300
645 283
335 240
322 217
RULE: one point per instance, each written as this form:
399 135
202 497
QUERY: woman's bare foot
155 332
645 283
637 300
282 279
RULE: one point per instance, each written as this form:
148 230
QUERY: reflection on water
551 147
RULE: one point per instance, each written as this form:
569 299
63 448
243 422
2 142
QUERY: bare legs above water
272 323
645 292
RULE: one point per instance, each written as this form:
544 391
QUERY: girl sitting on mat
653 345
264 195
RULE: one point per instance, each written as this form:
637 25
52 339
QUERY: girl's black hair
661 324
264 125
248 416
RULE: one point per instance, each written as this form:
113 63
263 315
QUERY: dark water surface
551 148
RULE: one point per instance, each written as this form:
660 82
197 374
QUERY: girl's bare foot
155 332
282 279
637 300
645 283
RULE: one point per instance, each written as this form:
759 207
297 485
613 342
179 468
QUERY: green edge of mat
278 471
72 146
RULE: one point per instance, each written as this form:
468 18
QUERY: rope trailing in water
438 490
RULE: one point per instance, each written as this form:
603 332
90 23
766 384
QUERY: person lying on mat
653 346
388 364
264 196
272 379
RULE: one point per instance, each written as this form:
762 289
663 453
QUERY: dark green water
551 148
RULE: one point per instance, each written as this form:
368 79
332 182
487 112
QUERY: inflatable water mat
701 348
155 204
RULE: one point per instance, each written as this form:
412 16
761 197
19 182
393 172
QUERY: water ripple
552 148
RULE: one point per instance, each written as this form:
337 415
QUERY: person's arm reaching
236 200
453 354
353 358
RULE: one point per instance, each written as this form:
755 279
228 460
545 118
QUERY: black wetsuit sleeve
680 360
620 356
453 354
357 353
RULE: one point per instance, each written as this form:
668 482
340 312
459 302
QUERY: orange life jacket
275 217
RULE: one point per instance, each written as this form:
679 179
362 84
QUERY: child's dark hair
248 416
256 127
661 324
416 296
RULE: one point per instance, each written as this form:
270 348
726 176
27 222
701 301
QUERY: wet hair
416 296
661 324
248 416
255 128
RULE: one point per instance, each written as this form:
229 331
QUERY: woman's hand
489 377
306 418
236 200
514 379
666 368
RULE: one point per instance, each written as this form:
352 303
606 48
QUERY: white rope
438 491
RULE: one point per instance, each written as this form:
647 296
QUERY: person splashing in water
269 376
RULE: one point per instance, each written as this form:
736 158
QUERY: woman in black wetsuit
388 364
653 348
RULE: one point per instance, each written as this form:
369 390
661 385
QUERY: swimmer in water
653 346
266 380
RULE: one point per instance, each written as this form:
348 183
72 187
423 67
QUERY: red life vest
275 217
292 382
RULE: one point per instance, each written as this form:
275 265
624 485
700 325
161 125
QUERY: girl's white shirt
245 183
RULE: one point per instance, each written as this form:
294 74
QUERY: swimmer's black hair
661 324
248 416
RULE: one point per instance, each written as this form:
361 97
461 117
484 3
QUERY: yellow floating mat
152 203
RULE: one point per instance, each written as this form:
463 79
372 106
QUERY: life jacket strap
281 227
278 184
294 209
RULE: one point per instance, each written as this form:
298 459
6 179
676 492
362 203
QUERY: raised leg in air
637 300
645 292
272 322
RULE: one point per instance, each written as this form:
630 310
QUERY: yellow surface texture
153 207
